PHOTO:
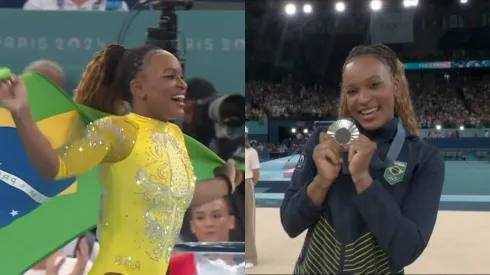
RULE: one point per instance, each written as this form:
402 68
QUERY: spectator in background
78 245
210 222
49 69
252 174
196 125
59 264
80 5
197 89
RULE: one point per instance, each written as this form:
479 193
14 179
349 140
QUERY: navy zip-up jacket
381 230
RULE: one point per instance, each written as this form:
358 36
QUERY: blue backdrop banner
213 41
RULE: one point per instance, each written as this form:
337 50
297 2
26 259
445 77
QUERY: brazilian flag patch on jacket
395 172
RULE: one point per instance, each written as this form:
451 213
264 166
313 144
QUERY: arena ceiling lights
292 8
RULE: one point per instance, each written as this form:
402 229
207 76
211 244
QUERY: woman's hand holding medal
327 158
361 150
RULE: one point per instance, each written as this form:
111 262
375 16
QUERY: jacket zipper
342 259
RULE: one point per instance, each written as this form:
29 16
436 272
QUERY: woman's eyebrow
370 78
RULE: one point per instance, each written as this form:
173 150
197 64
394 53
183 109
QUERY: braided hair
105 83
403 102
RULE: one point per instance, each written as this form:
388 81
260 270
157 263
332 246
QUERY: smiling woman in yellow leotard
147 178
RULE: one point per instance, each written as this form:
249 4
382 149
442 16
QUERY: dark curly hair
105 83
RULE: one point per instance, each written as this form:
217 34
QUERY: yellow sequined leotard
148 182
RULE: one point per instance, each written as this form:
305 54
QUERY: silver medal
343 131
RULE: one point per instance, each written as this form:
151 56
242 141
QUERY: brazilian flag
37 216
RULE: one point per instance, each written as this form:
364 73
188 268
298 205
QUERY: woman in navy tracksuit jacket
378 217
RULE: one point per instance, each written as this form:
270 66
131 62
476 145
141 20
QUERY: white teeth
178 97
367 112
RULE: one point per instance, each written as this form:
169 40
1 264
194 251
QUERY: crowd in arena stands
289 101
269 150
313 52
448 99
290 146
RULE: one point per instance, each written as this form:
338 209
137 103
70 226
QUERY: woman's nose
364 96
208 222
182 84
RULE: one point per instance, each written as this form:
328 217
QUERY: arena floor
460 243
